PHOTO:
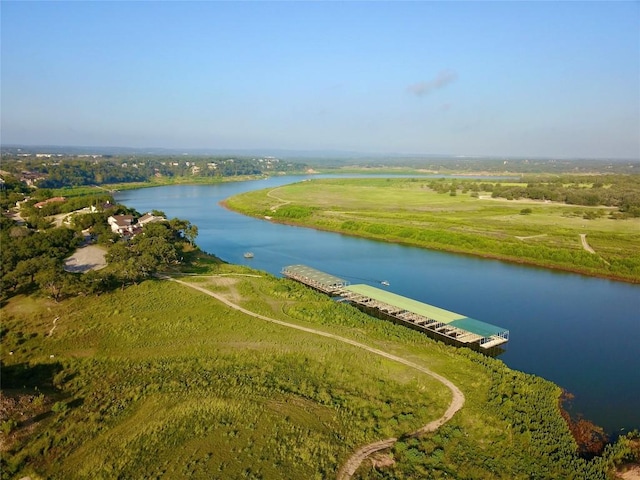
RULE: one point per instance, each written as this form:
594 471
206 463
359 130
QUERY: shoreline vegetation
459 216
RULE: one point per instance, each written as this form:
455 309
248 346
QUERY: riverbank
404 211
441 248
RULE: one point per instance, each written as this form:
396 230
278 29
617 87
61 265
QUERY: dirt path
585 245
283 202
352 464
633 473
55 320
532 236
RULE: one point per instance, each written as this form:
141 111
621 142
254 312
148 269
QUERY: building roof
149 218
429 311
315 275
405 303
122 220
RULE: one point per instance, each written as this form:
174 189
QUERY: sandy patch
381 460
223 281
225 286
85 259
633 473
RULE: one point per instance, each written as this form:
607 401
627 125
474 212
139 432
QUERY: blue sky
464 78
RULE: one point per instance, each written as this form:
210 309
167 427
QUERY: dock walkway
434 321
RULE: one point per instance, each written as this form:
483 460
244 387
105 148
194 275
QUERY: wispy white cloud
444 78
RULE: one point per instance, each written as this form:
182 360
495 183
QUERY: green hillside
160 380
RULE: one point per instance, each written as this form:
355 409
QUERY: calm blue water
582 333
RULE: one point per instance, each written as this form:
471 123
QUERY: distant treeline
622 191
490 165
58 172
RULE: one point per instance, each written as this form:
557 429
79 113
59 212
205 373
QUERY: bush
8 426
60 407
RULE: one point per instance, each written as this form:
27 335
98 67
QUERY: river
582 333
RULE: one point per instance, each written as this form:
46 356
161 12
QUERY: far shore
489 256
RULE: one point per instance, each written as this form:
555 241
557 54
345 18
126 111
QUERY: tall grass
160 380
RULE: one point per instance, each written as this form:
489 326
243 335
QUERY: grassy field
408 211
159 380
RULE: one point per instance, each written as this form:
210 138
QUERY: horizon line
306 152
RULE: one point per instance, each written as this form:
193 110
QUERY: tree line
62 172
622 191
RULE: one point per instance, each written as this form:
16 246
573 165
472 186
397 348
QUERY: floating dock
436 322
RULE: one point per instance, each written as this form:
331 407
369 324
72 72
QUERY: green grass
160 380
407 211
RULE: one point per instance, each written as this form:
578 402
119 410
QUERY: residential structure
121 224
124 225
149 218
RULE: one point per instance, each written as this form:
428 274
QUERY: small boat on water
385 283
248 254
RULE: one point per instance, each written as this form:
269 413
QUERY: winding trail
282 200
532 236
585 245
588 248
352 464
55 320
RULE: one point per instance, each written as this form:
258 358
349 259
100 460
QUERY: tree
157 247
184 229
51 278
25 270
127 271
157 230
50 281
191 232
61 241
94 282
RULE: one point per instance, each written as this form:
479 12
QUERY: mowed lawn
408 211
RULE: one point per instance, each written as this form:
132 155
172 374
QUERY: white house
149 218
121 224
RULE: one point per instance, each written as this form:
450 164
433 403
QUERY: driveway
85 259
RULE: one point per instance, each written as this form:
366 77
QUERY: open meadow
160 380
593 240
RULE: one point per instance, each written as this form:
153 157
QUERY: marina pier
437 323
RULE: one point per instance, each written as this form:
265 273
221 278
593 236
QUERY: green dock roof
332 284
314 275
424 309
479 328
405 303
